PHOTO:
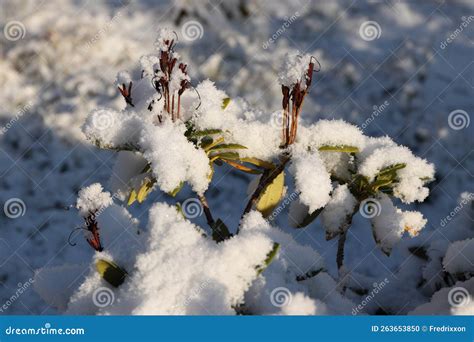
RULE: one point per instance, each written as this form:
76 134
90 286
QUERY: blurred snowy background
398 68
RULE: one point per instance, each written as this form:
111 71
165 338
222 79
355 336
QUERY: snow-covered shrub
171 133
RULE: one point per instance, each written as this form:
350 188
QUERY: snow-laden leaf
176 190
270 256
195 134
225 102
342 148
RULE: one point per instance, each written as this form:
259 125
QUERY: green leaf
392 168
310 217
270 256
204 132
227 147
220 232
225 155
225 102
206 141
214 143
176 190
340 148
258 162
271 195
111 272
179 209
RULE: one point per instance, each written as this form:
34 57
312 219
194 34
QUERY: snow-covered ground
398 68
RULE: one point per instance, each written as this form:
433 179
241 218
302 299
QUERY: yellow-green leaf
145 189
176 190
132 197
225 102
226 147
111 272
340 148
271 196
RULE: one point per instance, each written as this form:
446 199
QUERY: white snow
389 222
311 180
173 158
92 199
412 177
111 129
338 211
459 257
331 133
294 69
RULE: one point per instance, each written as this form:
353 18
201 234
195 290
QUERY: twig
340 249
207 211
